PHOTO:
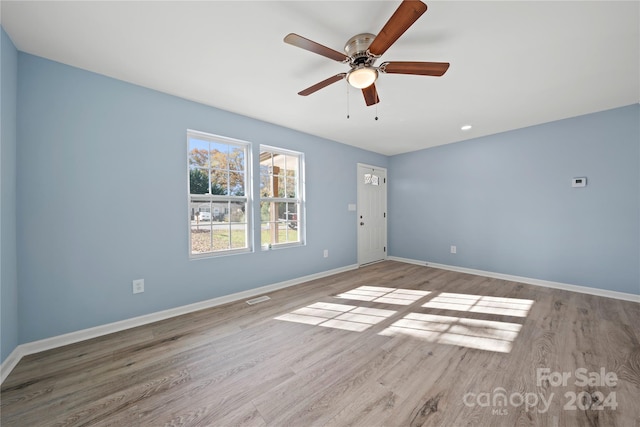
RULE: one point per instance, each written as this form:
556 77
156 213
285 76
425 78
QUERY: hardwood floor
390 344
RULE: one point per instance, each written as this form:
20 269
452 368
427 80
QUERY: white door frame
360 220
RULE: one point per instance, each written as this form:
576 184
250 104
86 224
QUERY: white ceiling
513 63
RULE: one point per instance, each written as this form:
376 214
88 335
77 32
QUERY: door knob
362 223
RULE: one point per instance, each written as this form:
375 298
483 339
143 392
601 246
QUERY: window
219 195
281 197
371 179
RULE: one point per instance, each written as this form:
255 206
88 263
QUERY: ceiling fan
363 50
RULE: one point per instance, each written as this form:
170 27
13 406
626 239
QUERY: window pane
218 155
236 158
221 237
266 159
219 211
238 236
227 183
278 185
236 184
265 185
198 153
200 238
279 222
268 184
371 179
237 212
291 216
219 182
274 233
291 163
198 181
229 236
291 183
200 210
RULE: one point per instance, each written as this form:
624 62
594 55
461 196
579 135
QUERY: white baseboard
73 337
10 362
527 280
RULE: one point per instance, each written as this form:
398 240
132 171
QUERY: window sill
209 255
271 247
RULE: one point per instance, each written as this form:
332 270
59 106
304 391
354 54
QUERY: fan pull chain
347 100
376 111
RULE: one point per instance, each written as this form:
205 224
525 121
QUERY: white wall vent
257 300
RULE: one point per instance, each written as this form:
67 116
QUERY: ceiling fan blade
370 95
316 87
311 46
407 13
419 68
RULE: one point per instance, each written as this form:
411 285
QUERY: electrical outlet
138 286
454 250
326 253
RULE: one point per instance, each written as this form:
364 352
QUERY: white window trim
302 219
248 197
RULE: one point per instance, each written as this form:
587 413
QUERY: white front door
372 214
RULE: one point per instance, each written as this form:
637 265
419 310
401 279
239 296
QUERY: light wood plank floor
390 344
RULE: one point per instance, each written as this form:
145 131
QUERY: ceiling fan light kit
362 77
362 51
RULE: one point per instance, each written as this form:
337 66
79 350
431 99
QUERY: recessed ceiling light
465 127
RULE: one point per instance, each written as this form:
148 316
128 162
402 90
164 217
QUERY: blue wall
102 182
8 264
100 200
507 203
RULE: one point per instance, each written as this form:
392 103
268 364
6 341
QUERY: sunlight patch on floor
338 316
473 333
384 295
481 304
482 334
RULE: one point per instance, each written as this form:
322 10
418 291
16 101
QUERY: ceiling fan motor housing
356 48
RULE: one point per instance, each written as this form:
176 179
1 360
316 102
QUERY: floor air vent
257 300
